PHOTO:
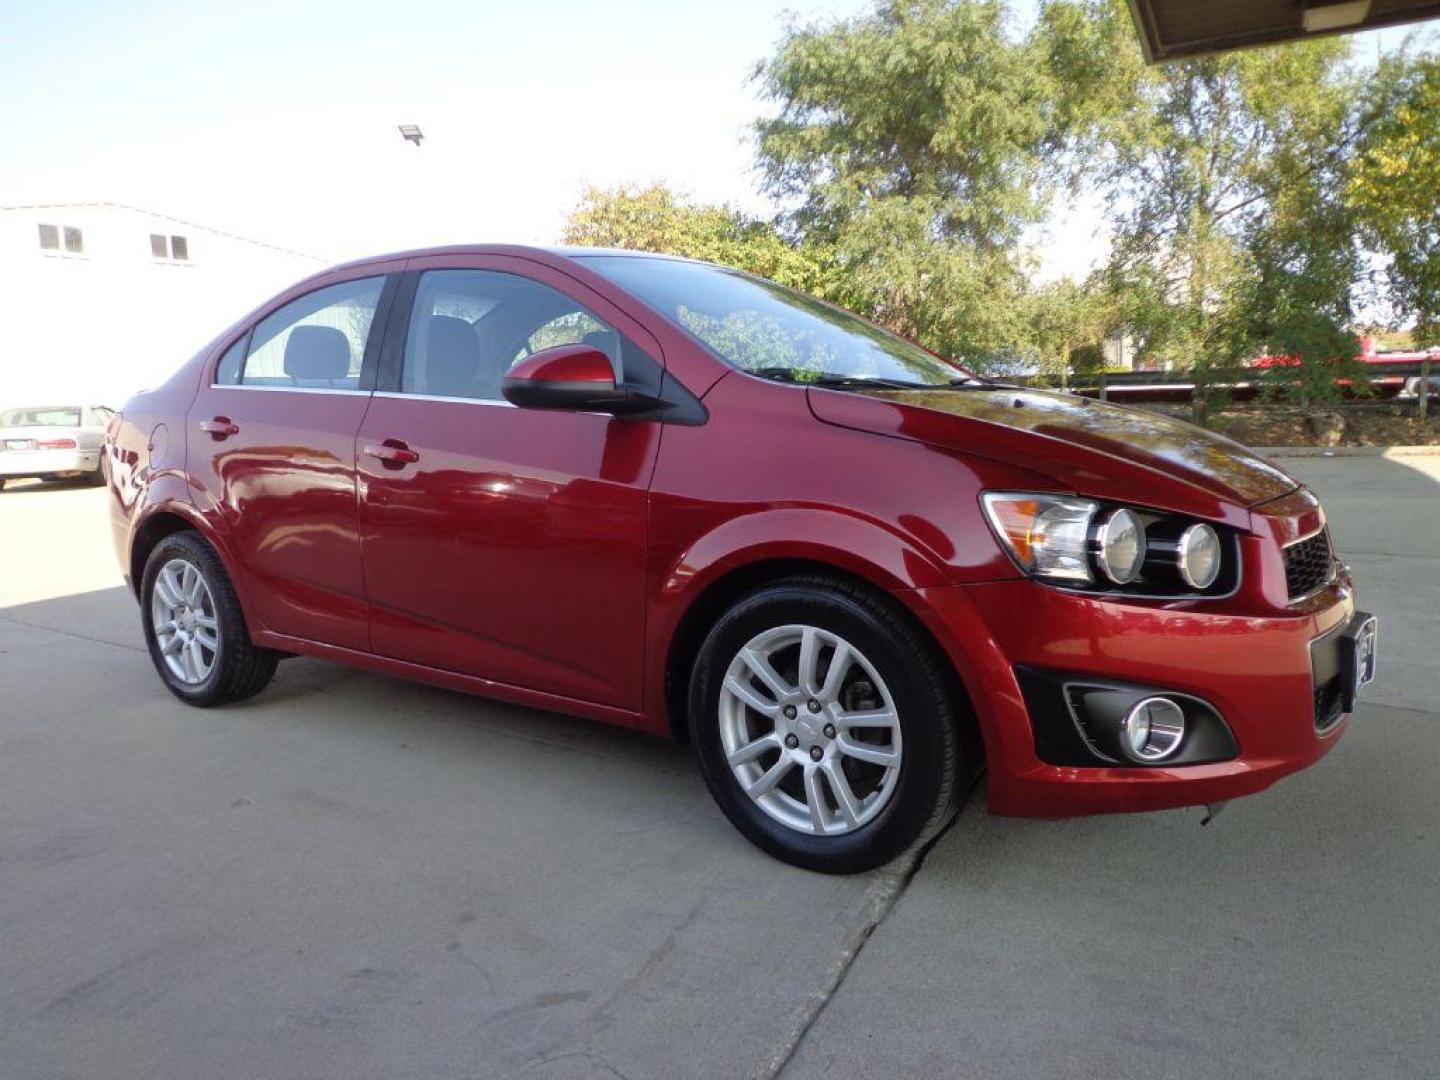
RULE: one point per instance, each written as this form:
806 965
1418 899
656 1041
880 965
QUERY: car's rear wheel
194 627
825 726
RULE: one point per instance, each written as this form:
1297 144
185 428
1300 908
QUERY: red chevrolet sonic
676 497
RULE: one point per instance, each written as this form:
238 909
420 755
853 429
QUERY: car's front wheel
194 627
825 725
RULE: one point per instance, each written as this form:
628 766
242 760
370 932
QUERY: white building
101 299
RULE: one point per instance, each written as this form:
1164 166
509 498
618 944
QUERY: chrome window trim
400 395
288 389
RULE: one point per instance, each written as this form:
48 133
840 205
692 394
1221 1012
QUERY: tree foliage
655 218
912 140
1392 184
911 148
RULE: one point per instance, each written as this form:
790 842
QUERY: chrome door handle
392 453
220 427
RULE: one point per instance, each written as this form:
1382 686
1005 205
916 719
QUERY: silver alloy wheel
182 614
810 730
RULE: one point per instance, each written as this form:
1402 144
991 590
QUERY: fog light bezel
1161 741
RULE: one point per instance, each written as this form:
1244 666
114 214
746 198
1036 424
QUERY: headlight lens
1082 543
1047 534
1199 556
1121 544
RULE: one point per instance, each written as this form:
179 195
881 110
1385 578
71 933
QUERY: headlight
1199 557
1048 534
1082 543
1120 544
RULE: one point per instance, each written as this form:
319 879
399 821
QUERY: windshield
769 330
47 417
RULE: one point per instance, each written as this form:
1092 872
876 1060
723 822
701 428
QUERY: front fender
886 558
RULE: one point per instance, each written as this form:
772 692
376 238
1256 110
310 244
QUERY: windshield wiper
974 382
833 380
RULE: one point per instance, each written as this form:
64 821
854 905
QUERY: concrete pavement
355 877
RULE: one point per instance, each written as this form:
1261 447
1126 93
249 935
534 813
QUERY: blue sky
277 120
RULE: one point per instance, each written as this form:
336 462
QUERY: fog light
1152 730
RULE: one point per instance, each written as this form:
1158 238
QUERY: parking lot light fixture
411 133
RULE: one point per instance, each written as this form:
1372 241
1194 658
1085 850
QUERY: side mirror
575 377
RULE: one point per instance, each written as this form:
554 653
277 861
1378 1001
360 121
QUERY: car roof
546 253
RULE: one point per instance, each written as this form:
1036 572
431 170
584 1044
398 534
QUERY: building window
171 248
62 240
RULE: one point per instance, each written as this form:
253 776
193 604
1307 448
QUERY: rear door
271 447
501 542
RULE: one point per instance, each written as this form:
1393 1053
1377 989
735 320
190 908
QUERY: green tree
655 218
1068 321
1220 178
911 140
1393 189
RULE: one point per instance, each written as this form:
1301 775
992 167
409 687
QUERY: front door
501 542
271 447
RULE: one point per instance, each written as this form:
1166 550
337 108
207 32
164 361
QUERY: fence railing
1179 385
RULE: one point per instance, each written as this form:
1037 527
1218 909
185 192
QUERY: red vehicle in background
671 496
1386 380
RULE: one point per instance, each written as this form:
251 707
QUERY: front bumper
15 463
1254 668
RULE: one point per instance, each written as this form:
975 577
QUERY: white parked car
52 442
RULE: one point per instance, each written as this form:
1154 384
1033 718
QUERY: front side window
769 330
316 342
227 372
469 327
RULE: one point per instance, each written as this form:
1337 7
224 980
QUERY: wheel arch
164 520
724 589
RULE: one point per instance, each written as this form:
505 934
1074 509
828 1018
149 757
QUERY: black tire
96 476
932 775
240 668
2 482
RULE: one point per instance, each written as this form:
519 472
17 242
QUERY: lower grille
1309 565
1329 705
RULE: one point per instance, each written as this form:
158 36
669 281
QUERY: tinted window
468 328
758 326
316 342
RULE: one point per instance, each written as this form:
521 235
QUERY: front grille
1309 565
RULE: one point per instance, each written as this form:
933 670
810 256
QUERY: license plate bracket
1358 657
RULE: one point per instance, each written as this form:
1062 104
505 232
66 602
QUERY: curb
1347 451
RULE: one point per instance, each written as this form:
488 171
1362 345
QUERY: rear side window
469 327
316 342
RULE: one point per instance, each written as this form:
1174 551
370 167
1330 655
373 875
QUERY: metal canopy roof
1175 28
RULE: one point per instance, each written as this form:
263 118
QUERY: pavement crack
68 633
880 900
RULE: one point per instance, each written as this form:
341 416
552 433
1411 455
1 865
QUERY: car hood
1093 447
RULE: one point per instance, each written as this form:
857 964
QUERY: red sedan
675 497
